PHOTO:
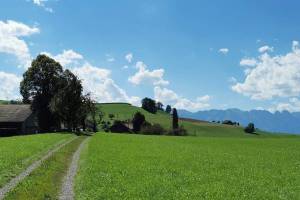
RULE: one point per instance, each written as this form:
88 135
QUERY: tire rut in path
67 192
16 180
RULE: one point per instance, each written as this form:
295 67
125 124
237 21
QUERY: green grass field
45 182
116 166
20 151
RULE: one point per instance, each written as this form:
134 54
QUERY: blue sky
192 54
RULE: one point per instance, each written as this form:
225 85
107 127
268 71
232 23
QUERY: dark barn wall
10 128
30 125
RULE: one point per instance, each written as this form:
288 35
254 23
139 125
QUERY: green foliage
175 119
19 152
39 85
111 116
155 129
128 166
119 127
137 121
250 128
56 95
168 109
159 106
180 131
66 102
149 105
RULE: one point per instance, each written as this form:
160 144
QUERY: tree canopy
149 105
55 95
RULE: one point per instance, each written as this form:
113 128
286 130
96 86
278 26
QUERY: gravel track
16 180
67 192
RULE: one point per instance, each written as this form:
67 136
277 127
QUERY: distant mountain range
281 122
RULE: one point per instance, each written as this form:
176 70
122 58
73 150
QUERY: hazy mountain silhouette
284 122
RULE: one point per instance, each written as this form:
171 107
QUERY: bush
181 131
155 129
111 116
250 128
137 121
228 122
105 126
119 127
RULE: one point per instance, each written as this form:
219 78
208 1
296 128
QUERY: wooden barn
17 119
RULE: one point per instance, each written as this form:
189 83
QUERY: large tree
67 102
159 106
149 105
40 84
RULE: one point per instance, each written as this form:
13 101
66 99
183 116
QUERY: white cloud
9 87
125 67
265 48
293 105
102 87
232 80
10 42
41 3
224 50
168 96
250 62
277 76
109 58
66 58
129 57
143 75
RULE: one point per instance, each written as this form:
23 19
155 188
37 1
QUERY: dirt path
67 192
15 181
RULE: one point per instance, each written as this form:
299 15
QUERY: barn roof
14 113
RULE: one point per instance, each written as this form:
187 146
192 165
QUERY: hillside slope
283 122
123 111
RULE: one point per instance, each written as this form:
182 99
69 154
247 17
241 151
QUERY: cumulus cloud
277 76
41 3
66 58
168 96
102 86
265 48
248 62
293 105
11 33
224 50
9 87
95 80
129 57
144 75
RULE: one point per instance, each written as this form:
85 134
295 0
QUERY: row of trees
56 96
152 106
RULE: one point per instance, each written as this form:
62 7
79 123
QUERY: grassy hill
2 102
124 111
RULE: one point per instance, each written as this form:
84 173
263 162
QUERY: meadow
123 111
45 181
124 166
20 151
